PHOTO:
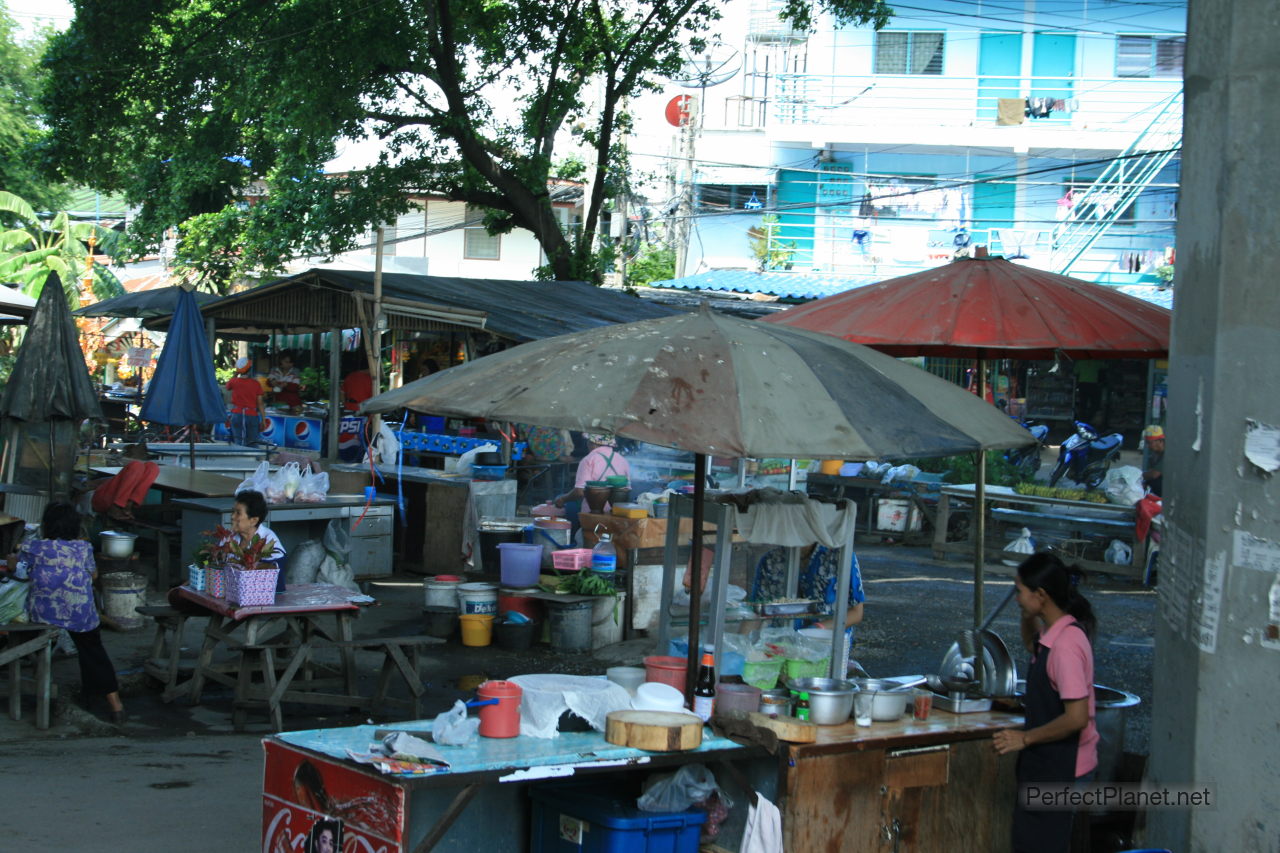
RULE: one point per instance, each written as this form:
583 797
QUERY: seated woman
247 516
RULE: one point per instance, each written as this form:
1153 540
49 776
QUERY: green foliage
38 247
655 262
315 383
184 106
768 250
964 469
21 78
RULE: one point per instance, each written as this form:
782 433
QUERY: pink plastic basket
253 587
571 559
215 582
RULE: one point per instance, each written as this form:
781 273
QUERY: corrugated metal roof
787 285
519 310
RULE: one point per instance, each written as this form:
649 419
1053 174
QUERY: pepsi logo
301 429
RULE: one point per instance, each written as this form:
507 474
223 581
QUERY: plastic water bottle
604 557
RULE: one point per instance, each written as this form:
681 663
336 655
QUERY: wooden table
902 785
29 641
178 481
305 611
1005 507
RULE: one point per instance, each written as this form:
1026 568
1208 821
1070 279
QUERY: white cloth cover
797 521
546 697
763 832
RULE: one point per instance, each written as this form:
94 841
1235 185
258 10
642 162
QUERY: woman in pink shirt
1058 745
603 461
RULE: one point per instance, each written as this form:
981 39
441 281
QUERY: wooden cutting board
786 728
654 731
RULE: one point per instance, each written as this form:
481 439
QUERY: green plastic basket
762 673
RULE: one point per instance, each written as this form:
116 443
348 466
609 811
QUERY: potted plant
205 574
252 581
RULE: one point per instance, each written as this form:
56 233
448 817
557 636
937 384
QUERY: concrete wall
1216 685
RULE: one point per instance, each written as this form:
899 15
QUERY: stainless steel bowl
889 700
118 544
830 699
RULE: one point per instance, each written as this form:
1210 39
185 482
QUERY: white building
1043 131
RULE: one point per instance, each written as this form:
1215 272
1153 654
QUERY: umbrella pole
191 444
695 576
979 533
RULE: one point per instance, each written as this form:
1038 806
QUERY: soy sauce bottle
704 689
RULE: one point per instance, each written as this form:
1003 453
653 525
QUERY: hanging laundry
865 207
1039 107
1059 105
1066 204
1011 111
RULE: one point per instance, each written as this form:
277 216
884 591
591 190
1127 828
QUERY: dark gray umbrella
718 385
49 390
157 302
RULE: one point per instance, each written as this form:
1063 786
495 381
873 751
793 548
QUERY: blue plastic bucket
520 563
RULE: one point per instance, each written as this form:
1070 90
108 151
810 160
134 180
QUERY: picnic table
177 481
311 615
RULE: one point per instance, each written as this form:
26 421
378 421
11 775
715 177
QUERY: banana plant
34 247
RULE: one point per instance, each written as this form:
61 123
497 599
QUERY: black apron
1039 831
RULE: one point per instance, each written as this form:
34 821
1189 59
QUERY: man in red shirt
246 415
357 387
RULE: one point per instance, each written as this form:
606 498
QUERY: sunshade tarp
184 389
16 303
50 380
714 384
157 302
989 308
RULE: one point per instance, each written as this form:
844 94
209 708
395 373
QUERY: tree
20 128
181 104
39 246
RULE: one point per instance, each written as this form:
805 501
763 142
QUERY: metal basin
830 699
889 700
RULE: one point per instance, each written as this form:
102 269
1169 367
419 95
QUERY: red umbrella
989 308
985 308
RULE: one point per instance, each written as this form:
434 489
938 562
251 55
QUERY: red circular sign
680 110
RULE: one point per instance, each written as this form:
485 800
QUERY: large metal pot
118 544
889 700
830 699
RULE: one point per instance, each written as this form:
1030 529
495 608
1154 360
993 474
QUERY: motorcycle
1027 459
1085 456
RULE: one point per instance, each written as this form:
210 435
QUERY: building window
479 244
909 53
1149 56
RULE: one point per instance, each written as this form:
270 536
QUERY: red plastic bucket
520 602
666 669
503 719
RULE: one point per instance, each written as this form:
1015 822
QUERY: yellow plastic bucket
477 628
831 466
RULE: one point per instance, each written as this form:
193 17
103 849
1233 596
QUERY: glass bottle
704 689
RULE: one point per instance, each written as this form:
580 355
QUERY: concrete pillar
1217 670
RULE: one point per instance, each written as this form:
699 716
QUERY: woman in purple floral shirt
61 571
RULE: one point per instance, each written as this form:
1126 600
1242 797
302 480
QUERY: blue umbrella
184 389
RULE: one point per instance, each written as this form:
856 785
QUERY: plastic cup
862 702
923 703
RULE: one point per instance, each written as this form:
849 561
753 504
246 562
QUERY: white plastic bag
385 447
900 473
454 727
1024 545
1119 553
1123 485
676 792
314 486
304 562
335 568
258 480
466 459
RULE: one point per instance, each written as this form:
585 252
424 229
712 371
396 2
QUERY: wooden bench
166 647
399 655
33 642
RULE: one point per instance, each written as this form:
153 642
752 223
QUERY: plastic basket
762 673
197 577
252 587
799 668
571 559
216 582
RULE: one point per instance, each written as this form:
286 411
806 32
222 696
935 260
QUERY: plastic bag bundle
1123 485
454 727
335 568
1119 553
304 562
678 791
1024 545
900 474
284 483
314 486
257 481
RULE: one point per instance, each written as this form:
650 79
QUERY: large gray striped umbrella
718 385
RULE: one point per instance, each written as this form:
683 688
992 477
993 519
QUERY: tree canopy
184 104
20 127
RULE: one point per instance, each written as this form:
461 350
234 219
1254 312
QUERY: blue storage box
488 472
572 818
